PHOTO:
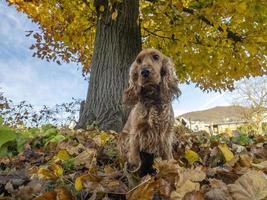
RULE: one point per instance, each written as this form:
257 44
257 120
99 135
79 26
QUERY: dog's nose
145 73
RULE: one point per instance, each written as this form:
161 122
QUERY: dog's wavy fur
149 125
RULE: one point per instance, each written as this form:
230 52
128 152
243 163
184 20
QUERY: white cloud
214 100
25 78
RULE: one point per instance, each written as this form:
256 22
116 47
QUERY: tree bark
117 43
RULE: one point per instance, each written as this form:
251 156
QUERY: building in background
216 120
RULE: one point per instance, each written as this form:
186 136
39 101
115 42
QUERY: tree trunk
116 45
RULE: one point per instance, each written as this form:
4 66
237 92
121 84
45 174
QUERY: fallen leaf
195 175
168 170
261 166
50 172
252 185
245 160
228 155
87 158
62 155
48 195
191 156
86 180
103 138
108 169
144 191
57 194
187 186
217 194
218 191
195 195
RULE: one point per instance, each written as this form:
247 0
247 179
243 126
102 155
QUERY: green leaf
6 135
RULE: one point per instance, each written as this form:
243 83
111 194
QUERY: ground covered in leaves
48 163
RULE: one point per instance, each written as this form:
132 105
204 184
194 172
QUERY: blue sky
23 77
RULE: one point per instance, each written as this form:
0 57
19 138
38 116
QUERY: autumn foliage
211 42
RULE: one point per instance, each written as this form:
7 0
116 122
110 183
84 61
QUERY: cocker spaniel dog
153 84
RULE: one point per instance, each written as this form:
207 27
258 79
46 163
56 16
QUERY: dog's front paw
133 167
134 163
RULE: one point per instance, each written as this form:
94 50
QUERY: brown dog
153 84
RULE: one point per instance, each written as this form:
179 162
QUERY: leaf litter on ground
84 164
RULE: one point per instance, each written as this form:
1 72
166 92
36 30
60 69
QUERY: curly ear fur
169 84
130 96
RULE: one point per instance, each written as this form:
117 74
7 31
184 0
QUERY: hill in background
217 114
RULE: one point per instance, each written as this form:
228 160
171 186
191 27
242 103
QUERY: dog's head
151 74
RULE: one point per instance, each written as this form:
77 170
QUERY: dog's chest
157 117
156 125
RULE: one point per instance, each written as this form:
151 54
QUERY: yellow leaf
102 8
191 156
50 172
86 179
228 155
57 169
179 4
114 15
62 155
242 6
78 183
102 138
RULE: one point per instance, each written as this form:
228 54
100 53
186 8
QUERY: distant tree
253 94
212 42
3 102
25 114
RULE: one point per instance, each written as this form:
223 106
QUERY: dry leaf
245 160
218 191
50 172
252 185
195 175
187 186
144 191
87 158
48 195
195 195
261 166
57 194
87 180
217 194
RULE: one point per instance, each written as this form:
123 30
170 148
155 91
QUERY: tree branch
230 34
152 1
160 36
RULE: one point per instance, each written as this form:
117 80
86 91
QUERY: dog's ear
169 81
130 96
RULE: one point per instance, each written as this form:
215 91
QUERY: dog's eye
155 57
138 60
